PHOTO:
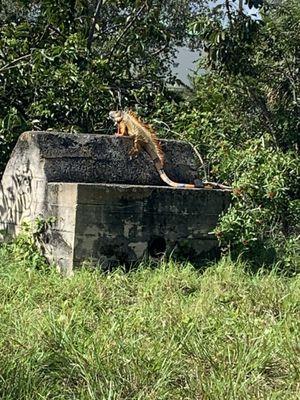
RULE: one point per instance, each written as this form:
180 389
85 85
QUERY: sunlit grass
154 333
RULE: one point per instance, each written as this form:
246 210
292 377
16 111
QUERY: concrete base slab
121 224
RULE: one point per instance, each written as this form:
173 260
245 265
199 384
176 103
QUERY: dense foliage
65 64
244 115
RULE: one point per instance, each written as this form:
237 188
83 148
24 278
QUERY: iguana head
116 116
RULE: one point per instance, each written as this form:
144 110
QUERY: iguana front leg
121 129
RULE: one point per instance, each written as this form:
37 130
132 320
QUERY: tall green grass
154 333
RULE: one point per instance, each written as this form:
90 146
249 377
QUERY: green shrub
28 246
265 207
243 115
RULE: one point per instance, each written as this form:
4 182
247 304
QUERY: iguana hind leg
136 148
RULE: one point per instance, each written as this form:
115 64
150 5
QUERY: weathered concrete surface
107 207
42 157
104 159
113 224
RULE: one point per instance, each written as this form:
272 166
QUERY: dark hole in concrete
157 247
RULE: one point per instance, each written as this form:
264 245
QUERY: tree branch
267 116
157 52
127 27
14 63
228 11
92 30
241 7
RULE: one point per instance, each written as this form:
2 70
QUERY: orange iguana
129 124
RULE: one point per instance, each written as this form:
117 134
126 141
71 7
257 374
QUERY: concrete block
107 207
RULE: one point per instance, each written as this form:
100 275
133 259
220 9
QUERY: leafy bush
243 115
28 247
265 207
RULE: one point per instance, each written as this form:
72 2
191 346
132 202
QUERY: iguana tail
198 183
168 181
164 177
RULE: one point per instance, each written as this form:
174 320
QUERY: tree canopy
65 64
